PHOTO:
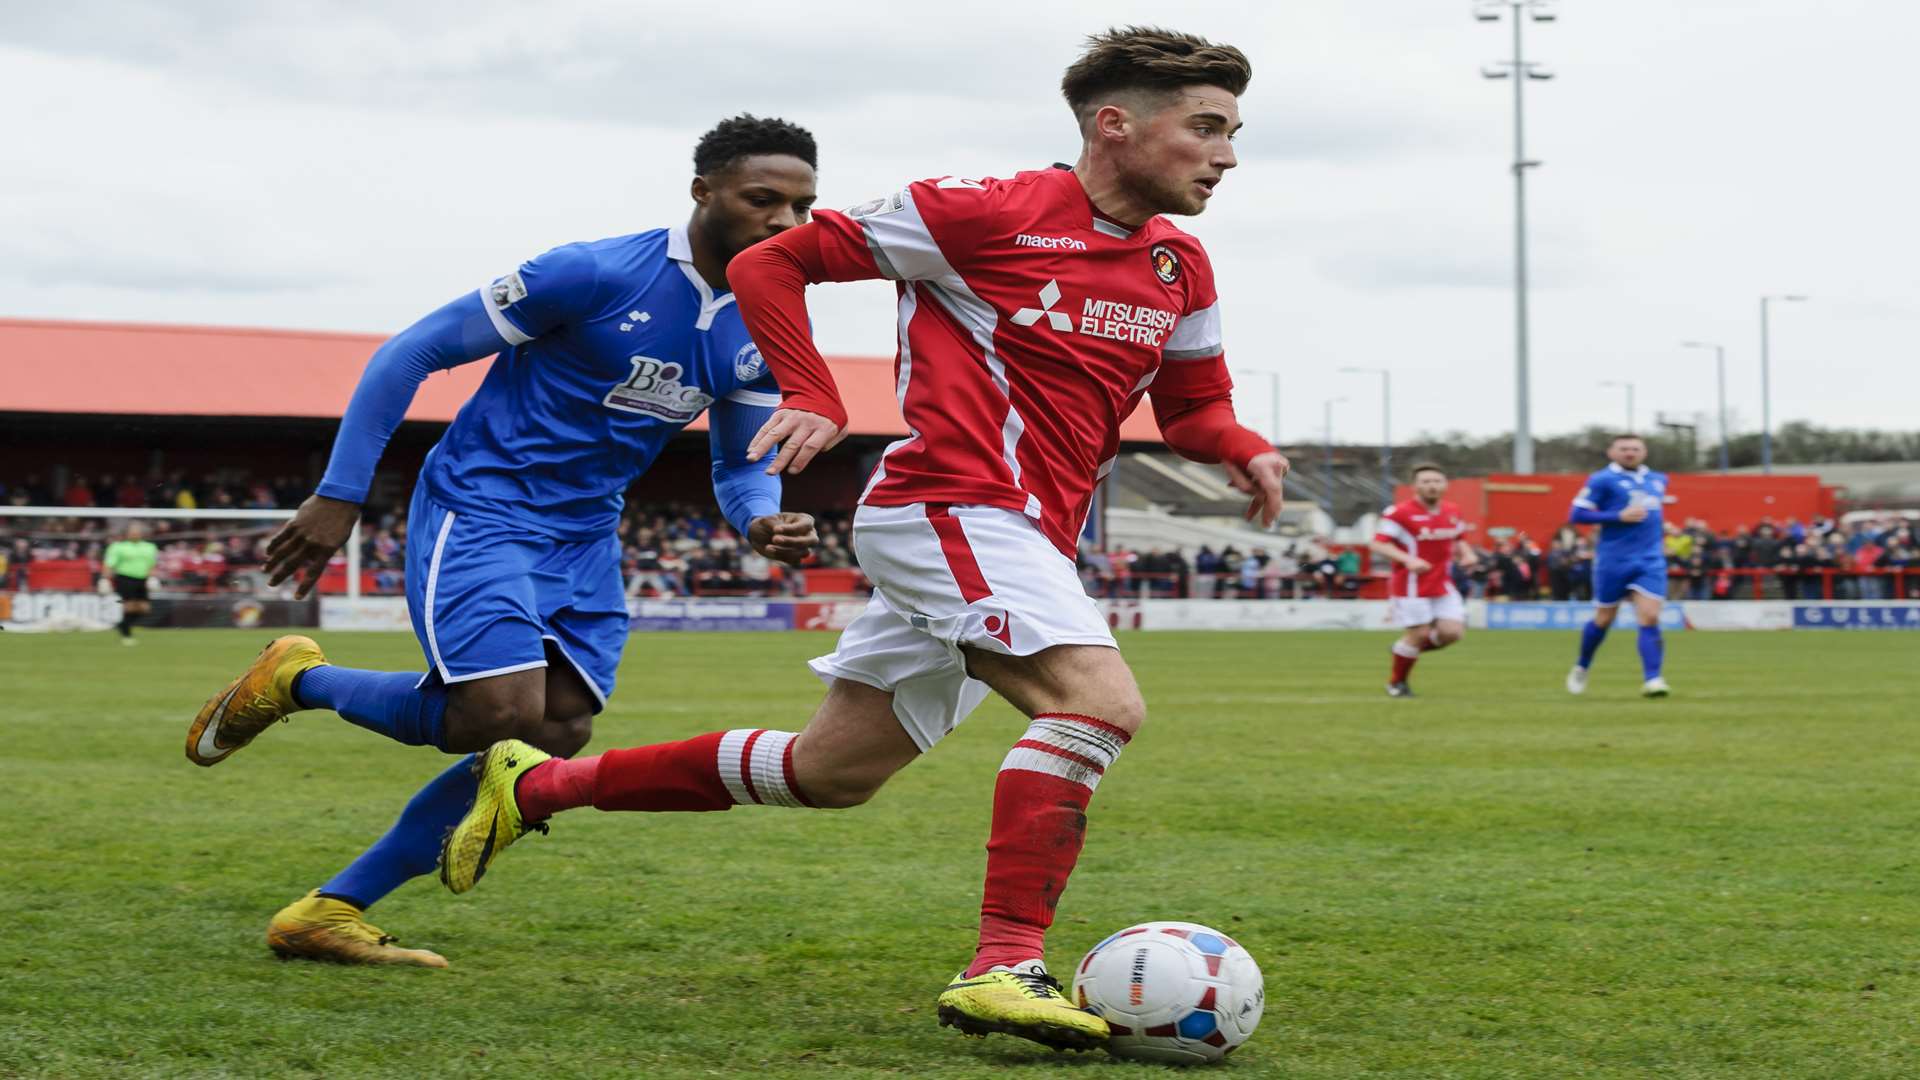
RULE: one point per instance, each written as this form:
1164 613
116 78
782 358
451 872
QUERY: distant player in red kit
1421 538
1034 315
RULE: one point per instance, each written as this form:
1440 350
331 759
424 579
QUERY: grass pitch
1492 880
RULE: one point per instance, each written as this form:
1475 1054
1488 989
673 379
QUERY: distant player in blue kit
606 351
1625 500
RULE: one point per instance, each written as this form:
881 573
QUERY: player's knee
839 792
1444 636
567 736
838 785
1128 712
478 721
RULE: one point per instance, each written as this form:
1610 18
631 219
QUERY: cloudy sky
352 165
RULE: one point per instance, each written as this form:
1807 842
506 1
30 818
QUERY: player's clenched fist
1263 479
785 537
318 529
800 435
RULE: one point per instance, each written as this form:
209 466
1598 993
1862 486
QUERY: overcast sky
352 165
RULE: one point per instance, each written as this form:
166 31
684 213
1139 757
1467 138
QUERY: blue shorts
488 598
1612 583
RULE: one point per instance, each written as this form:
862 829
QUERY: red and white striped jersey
1426 534
1029 328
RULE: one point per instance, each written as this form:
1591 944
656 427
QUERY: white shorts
946 577
1421 610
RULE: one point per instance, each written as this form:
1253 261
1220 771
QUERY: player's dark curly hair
747 135
1152 59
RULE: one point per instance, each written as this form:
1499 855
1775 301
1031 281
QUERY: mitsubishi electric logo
1049 296
1131 323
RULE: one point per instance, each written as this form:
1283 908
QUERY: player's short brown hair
1626 435
1150 59
1425 466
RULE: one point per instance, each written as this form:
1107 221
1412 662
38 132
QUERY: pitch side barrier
28 611
700 614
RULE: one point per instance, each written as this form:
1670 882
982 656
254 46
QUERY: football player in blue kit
1625 499
606 350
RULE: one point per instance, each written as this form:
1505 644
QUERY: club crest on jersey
748 364
654 389
1166 265
508 290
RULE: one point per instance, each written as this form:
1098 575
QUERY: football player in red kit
1035 313
1422 537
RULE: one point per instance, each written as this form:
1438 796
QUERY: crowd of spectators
1292 569
672 550
1826 559
170 491
1787 560
666 549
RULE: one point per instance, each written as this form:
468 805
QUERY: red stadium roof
156 370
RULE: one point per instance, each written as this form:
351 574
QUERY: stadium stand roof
146 369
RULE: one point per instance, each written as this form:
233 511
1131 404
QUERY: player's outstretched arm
1205 429
769 282
456 334
1395 553
747 494
1586 506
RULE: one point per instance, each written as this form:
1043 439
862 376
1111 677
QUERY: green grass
1493 880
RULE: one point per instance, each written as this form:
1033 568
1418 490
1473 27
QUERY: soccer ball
1173 992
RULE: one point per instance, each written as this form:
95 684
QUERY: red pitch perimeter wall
1537 505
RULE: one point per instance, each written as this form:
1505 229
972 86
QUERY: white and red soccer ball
1173 992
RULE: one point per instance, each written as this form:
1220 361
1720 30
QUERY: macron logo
1066 242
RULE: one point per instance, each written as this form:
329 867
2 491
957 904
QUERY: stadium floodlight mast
1720 364
1521 72
1766 381
1326 470
1273 391
1629 389
1386 421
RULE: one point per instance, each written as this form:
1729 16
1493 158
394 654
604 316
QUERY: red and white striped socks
757 767
716 771
1039 824
1404 657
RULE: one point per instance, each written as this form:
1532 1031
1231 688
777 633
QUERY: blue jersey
1612 490
606 350
614 346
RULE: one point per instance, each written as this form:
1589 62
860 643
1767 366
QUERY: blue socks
1653 651
1653 648
1591 636
382 701
412 846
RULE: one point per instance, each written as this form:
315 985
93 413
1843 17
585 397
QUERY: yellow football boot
251 703
1023 1001
493 822
316 927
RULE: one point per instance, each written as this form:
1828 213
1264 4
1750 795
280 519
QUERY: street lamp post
1766 384
1520 71
1386 421
1629 389
1273 389
1720 366
1326 470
